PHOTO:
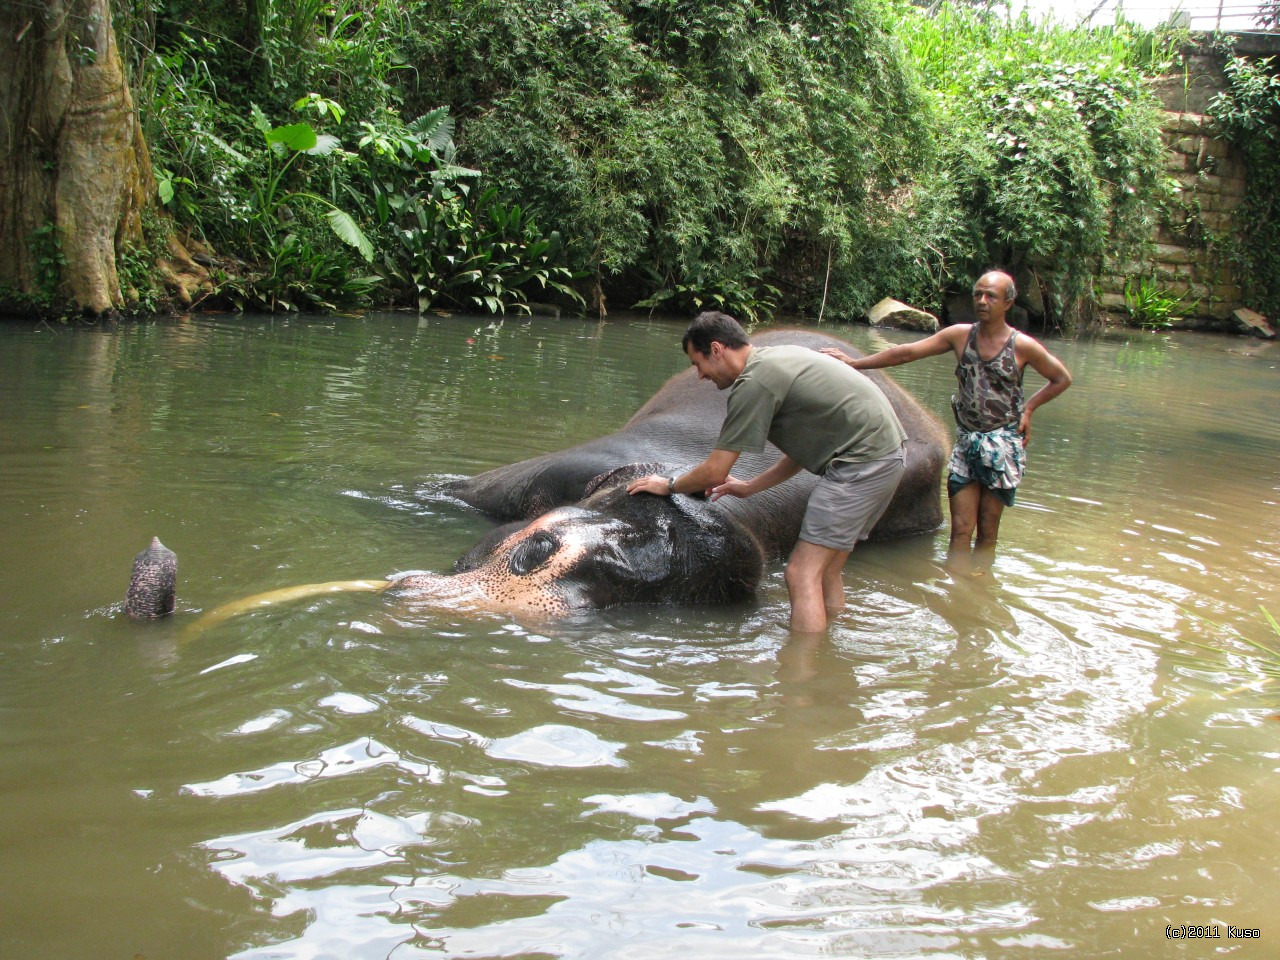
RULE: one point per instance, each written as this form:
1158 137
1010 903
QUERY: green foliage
1052 151
271 202
135 266
49 260
1248 114
677 144
264 189
45 244
473 251
755 154
297 272
744 297
271 224
1148 305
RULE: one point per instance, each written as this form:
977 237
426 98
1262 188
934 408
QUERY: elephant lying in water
578 541
677 428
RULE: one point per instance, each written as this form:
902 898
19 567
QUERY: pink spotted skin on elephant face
610 549
527 573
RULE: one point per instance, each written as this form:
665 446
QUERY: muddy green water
1046 763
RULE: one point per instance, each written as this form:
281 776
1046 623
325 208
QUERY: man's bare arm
711 472
1055 373
948 338
784 469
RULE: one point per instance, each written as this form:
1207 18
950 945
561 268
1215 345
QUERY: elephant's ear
623 474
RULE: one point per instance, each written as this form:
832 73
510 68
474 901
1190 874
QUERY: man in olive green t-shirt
823 420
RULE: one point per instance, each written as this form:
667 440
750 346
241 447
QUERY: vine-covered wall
1187 259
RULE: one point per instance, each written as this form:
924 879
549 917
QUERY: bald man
993 419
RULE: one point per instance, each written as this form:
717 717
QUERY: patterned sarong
995 458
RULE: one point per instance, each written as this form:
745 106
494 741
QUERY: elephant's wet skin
609 549
154 583
581 542
680 423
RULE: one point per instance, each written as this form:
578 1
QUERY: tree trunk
74 171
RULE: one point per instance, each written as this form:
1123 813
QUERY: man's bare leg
990 509
964 504
833 584
806 576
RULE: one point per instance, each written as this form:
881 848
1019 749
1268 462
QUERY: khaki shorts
849 499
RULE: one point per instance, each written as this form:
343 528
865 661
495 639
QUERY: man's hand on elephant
838 354
649 484
733 487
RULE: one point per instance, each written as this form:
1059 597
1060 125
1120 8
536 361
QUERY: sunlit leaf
350 233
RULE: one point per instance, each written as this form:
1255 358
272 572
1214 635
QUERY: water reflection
897 757
1041 761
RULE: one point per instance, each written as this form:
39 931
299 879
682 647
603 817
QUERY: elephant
678 427
574 539
608 549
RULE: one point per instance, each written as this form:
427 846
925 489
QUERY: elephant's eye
532 553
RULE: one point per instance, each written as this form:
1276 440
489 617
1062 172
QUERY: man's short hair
1011 294
710 327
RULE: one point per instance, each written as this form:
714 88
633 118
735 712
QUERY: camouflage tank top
990 390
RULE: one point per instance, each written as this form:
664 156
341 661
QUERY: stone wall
1211 180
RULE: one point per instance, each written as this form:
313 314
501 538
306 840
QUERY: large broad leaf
435 129
325 145
226 148
348 232
299 137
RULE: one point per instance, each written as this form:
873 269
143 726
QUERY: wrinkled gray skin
609 548
678 426
579 541
154 583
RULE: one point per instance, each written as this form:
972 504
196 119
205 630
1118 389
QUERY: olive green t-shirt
812 407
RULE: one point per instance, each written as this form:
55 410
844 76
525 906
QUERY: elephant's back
679 425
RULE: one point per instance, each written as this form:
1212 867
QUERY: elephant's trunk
301 591
153 588
458 592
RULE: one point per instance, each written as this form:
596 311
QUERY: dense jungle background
809 156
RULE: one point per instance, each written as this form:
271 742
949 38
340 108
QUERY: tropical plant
1052 149
48 259
470 249
297 272
745 296
273 203
290 266
1150 306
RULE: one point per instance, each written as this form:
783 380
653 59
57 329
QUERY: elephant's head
610 548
